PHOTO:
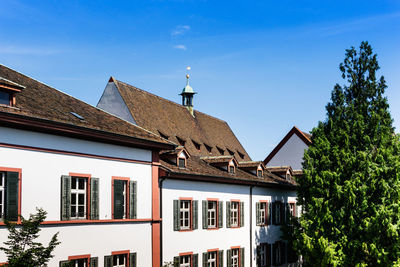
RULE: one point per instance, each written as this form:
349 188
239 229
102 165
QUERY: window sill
95 221
186 230
213 228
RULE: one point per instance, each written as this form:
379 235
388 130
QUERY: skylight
77 115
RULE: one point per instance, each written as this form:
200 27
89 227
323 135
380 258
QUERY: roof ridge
162 98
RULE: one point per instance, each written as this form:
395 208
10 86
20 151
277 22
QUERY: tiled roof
250 164
40 101
217 159
160 115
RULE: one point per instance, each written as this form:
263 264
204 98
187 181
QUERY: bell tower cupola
187 96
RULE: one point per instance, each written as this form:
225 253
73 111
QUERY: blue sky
263 66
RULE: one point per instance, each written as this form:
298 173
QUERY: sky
262 66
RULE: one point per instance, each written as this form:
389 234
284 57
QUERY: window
163 135
5 98
231 169
209 148
212 214
78 202
120 259
181 162
186 260
262 213
241 155
124 198
235 214
80 261
181 141
292 209
278 253
264 255
235 257
185 214
212 259
221 151
230 152
196 145
277 213
9 194
259 173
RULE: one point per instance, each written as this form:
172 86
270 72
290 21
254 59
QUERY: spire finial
187 74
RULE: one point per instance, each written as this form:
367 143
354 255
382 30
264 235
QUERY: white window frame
292 208
76 262
2 195
235 259
185 261
184 223
212 259
118 258
263 213
212 213
235 213
125 194
77 192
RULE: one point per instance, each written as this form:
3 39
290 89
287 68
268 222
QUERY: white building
95 174
218 207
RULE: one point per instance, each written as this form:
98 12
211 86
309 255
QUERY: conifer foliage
350 191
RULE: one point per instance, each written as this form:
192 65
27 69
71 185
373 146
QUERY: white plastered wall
290 154
41 187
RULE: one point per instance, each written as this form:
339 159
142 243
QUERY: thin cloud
181 47
180 30
15 50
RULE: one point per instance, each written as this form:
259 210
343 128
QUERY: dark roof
250 164
217 159
43 104
157 115
306 138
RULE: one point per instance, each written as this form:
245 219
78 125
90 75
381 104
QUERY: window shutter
205 214
268 213
107 261
195 258
228 214
195 214
287 213
241 214
94 262
94 198
133 200
258 219
205 258
176 261
282 210
220 258
258 255
65 197
65 264
176 216
274 247
283 252
268 256
292 255
242 257
228 258
132 259
118 199
12 182
220 214
273 212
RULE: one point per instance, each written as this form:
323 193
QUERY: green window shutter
195 214
274 248
118 199
132 199
107 261
228 258
273 207
11 209
65 197
241 257
268 256
282 210
94 262
176 215
283 252
220 258
176 261
268 213
228 214
132 259
287 207
220 214
94 198
65 264
258 255
195 258
205 257
258 220
205 214
241 214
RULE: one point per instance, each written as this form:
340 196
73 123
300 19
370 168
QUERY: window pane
81 200
81 183
4 98
73 183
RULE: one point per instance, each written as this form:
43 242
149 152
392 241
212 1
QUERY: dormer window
220 150
8 90
230 152
182 163
259 173
232 169
209 149
163 135
196 145
181 141
241 155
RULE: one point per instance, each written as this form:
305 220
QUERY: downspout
251 226
161 180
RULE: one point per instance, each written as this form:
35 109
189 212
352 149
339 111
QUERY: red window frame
127 179
217 226
266 212
81 257
239 212
88 196
122 252
216 250
190 215
239 254
19 171
186 254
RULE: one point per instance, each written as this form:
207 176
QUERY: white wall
290 154
200 240
41 187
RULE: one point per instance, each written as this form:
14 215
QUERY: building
218 207
290 150
95 174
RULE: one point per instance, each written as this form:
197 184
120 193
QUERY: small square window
231 169
259 173
5 98
181 162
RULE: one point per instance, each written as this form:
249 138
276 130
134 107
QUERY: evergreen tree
350 190
22 250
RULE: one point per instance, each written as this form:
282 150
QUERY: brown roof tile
41 101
